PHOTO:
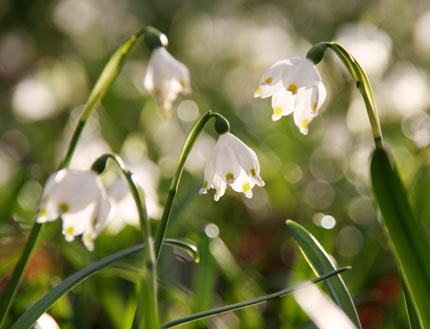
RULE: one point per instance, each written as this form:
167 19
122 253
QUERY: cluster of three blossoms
78 197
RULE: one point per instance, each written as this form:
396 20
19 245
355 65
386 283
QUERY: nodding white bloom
78 198
295 86
234 163
165 78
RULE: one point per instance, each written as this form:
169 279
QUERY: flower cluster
79 199
295 87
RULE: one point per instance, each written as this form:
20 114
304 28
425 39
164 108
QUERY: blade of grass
320 262
45 302
420 200
259 300
406 234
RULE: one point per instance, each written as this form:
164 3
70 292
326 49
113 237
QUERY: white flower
78 198
165 78
233 163
146 174
295 86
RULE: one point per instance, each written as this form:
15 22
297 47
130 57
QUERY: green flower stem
147 284
363 85
186 150
105 80
361 80
11 289
259 300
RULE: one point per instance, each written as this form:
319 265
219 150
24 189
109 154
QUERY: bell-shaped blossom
295 87
79 199
233 163
165 78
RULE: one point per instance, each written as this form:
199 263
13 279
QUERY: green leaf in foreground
45 302
320 262
405 233
256 301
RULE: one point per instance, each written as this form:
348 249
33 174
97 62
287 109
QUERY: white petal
76 188
282 104
226 163
75 224
301 73
219 185
303 114
246 158
271 82
321 93
244 185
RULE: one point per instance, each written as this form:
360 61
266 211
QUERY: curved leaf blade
405 233
320 262
45 302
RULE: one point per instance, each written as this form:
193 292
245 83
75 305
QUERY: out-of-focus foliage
51 52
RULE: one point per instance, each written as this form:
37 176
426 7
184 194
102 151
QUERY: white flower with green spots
296 87
79 199
233 163
165 78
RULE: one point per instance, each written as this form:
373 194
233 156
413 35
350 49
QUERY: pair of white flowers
294 85
80 200
78 197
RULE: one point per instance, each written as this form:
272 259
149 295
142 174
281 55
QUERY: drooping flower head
165 78
233 163
79 199
295 87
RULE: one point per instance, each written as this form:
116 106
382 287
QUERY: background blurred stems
105 80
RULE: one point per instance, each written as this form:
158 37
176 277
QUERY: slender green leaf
320 262
412 314
45 302
256 301
405 232
420 196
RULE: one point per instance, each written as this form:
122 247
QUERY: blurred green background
51 53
